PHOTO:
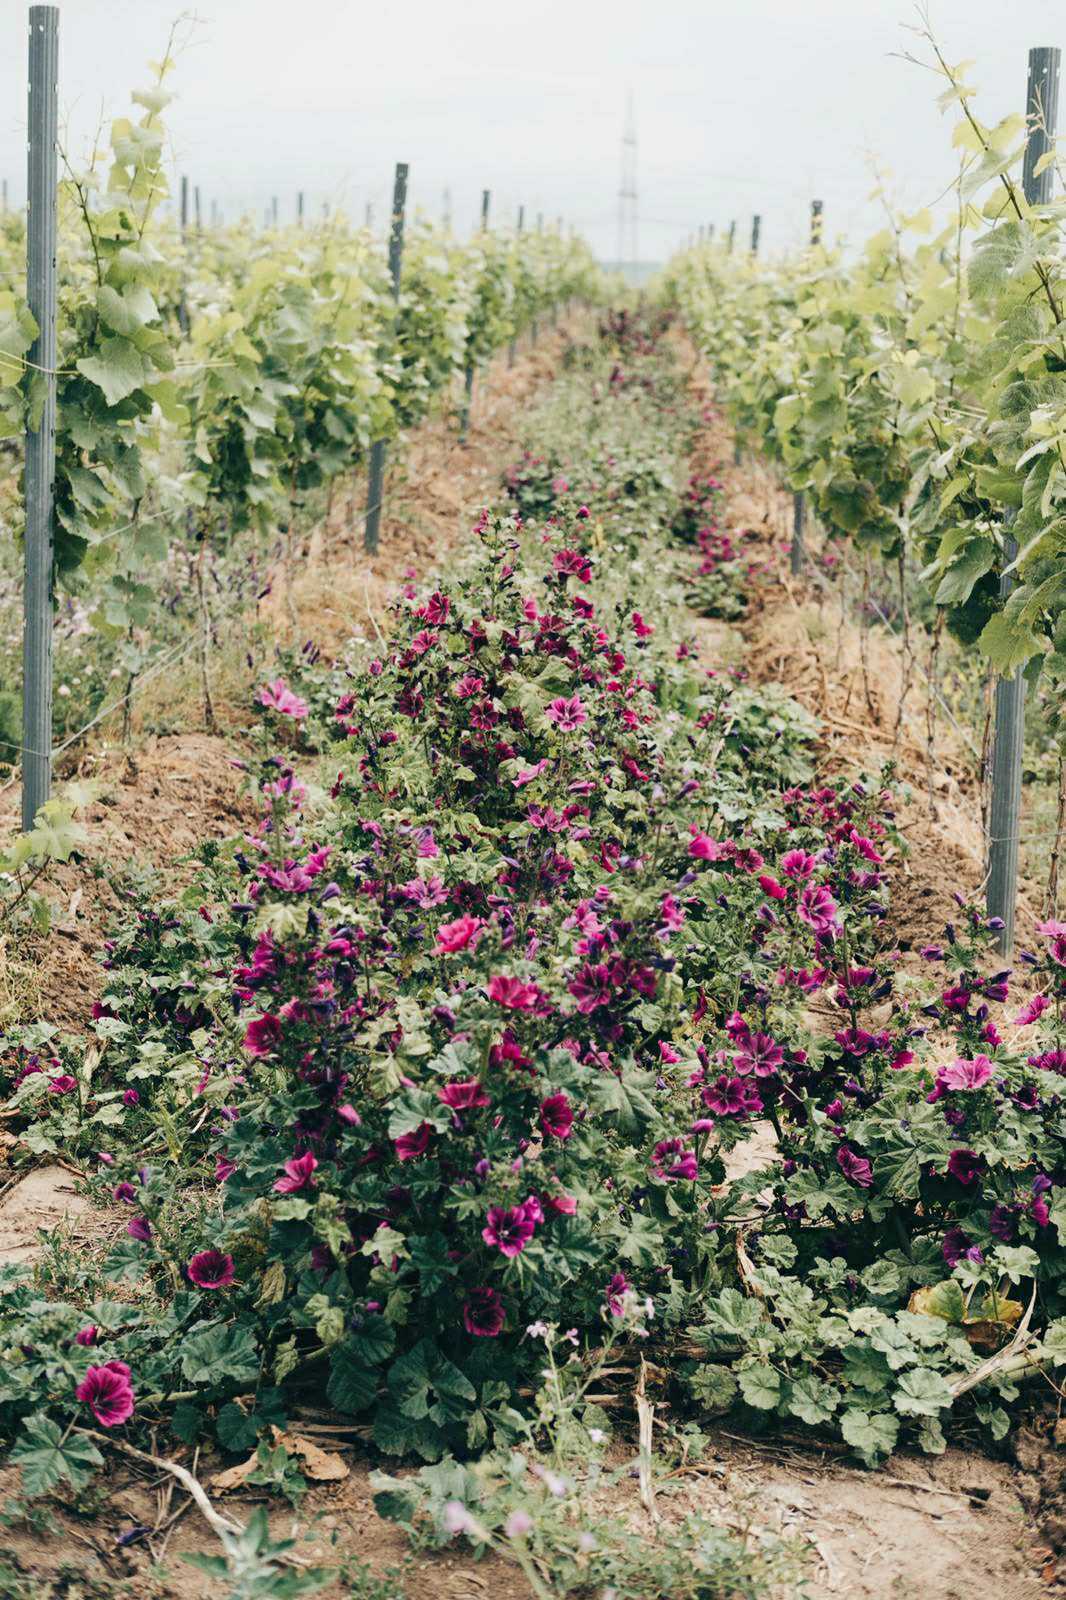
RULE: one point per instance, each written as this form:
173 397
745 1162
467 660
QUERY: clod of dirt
44 1198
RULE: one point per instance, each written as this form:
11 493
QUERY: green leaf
118 370
217 1352
353 1385
922 1393
760 1385
872 1435
45 1457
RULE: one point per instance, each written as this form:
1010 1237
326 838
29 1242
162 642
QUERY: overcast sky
741 105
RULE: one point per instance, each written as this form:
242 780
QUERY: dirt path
942 1528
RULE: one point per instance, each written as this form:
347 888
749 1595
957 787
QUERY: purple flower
855 1168
556 1116
671 1161
210 1269
108 1393
817 908
463 1095
483 1313
965 1166
956 1246
298 1174
510 1230
567 714
140 1228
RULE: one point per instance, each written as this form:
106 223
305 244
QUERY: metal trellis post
40 440
1042 102
756 229
799 500
468 376
376 481
518 234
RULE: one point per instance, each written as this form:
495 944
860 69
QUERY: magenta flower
130 1097
210 1269
1055 933
298 1170
956 1246
509 1229
1032 1010
965 1166
556 1116
817 908
565 1204
140 1228
618 1286
63 1084
87 1335
704 848
463 1095
671 1161
108 1393
277 696
797 864
567 714
483 1313
963 1074
513 993
452 936
409 1146
528 774
855 1168
262 1035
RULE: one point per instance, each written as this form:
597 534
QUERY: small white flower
597 1435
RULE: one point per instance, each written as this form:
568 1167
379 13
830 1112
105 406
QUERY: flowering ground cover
424 1097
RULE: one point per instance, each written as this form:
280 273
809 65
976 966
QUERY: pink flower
87 1335
817 908
528 774
1032 1009
210 1269
350 1115
63 1084
670 1160
667 1054
704 848
140 1228
262 1035
855 1168
513 992
463 1095
409 1146
108 1393
298 1170
797 864
963 1074
483 1313
556 1116
510 1230
130 1097
642 629
452 936
770 886
565 1204
567 714
277 696
1055 933
618 1286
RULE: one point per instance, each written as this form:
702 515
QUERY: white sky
741 105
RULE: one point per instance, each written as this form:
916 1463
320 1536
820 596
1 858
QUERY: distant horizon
760 109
